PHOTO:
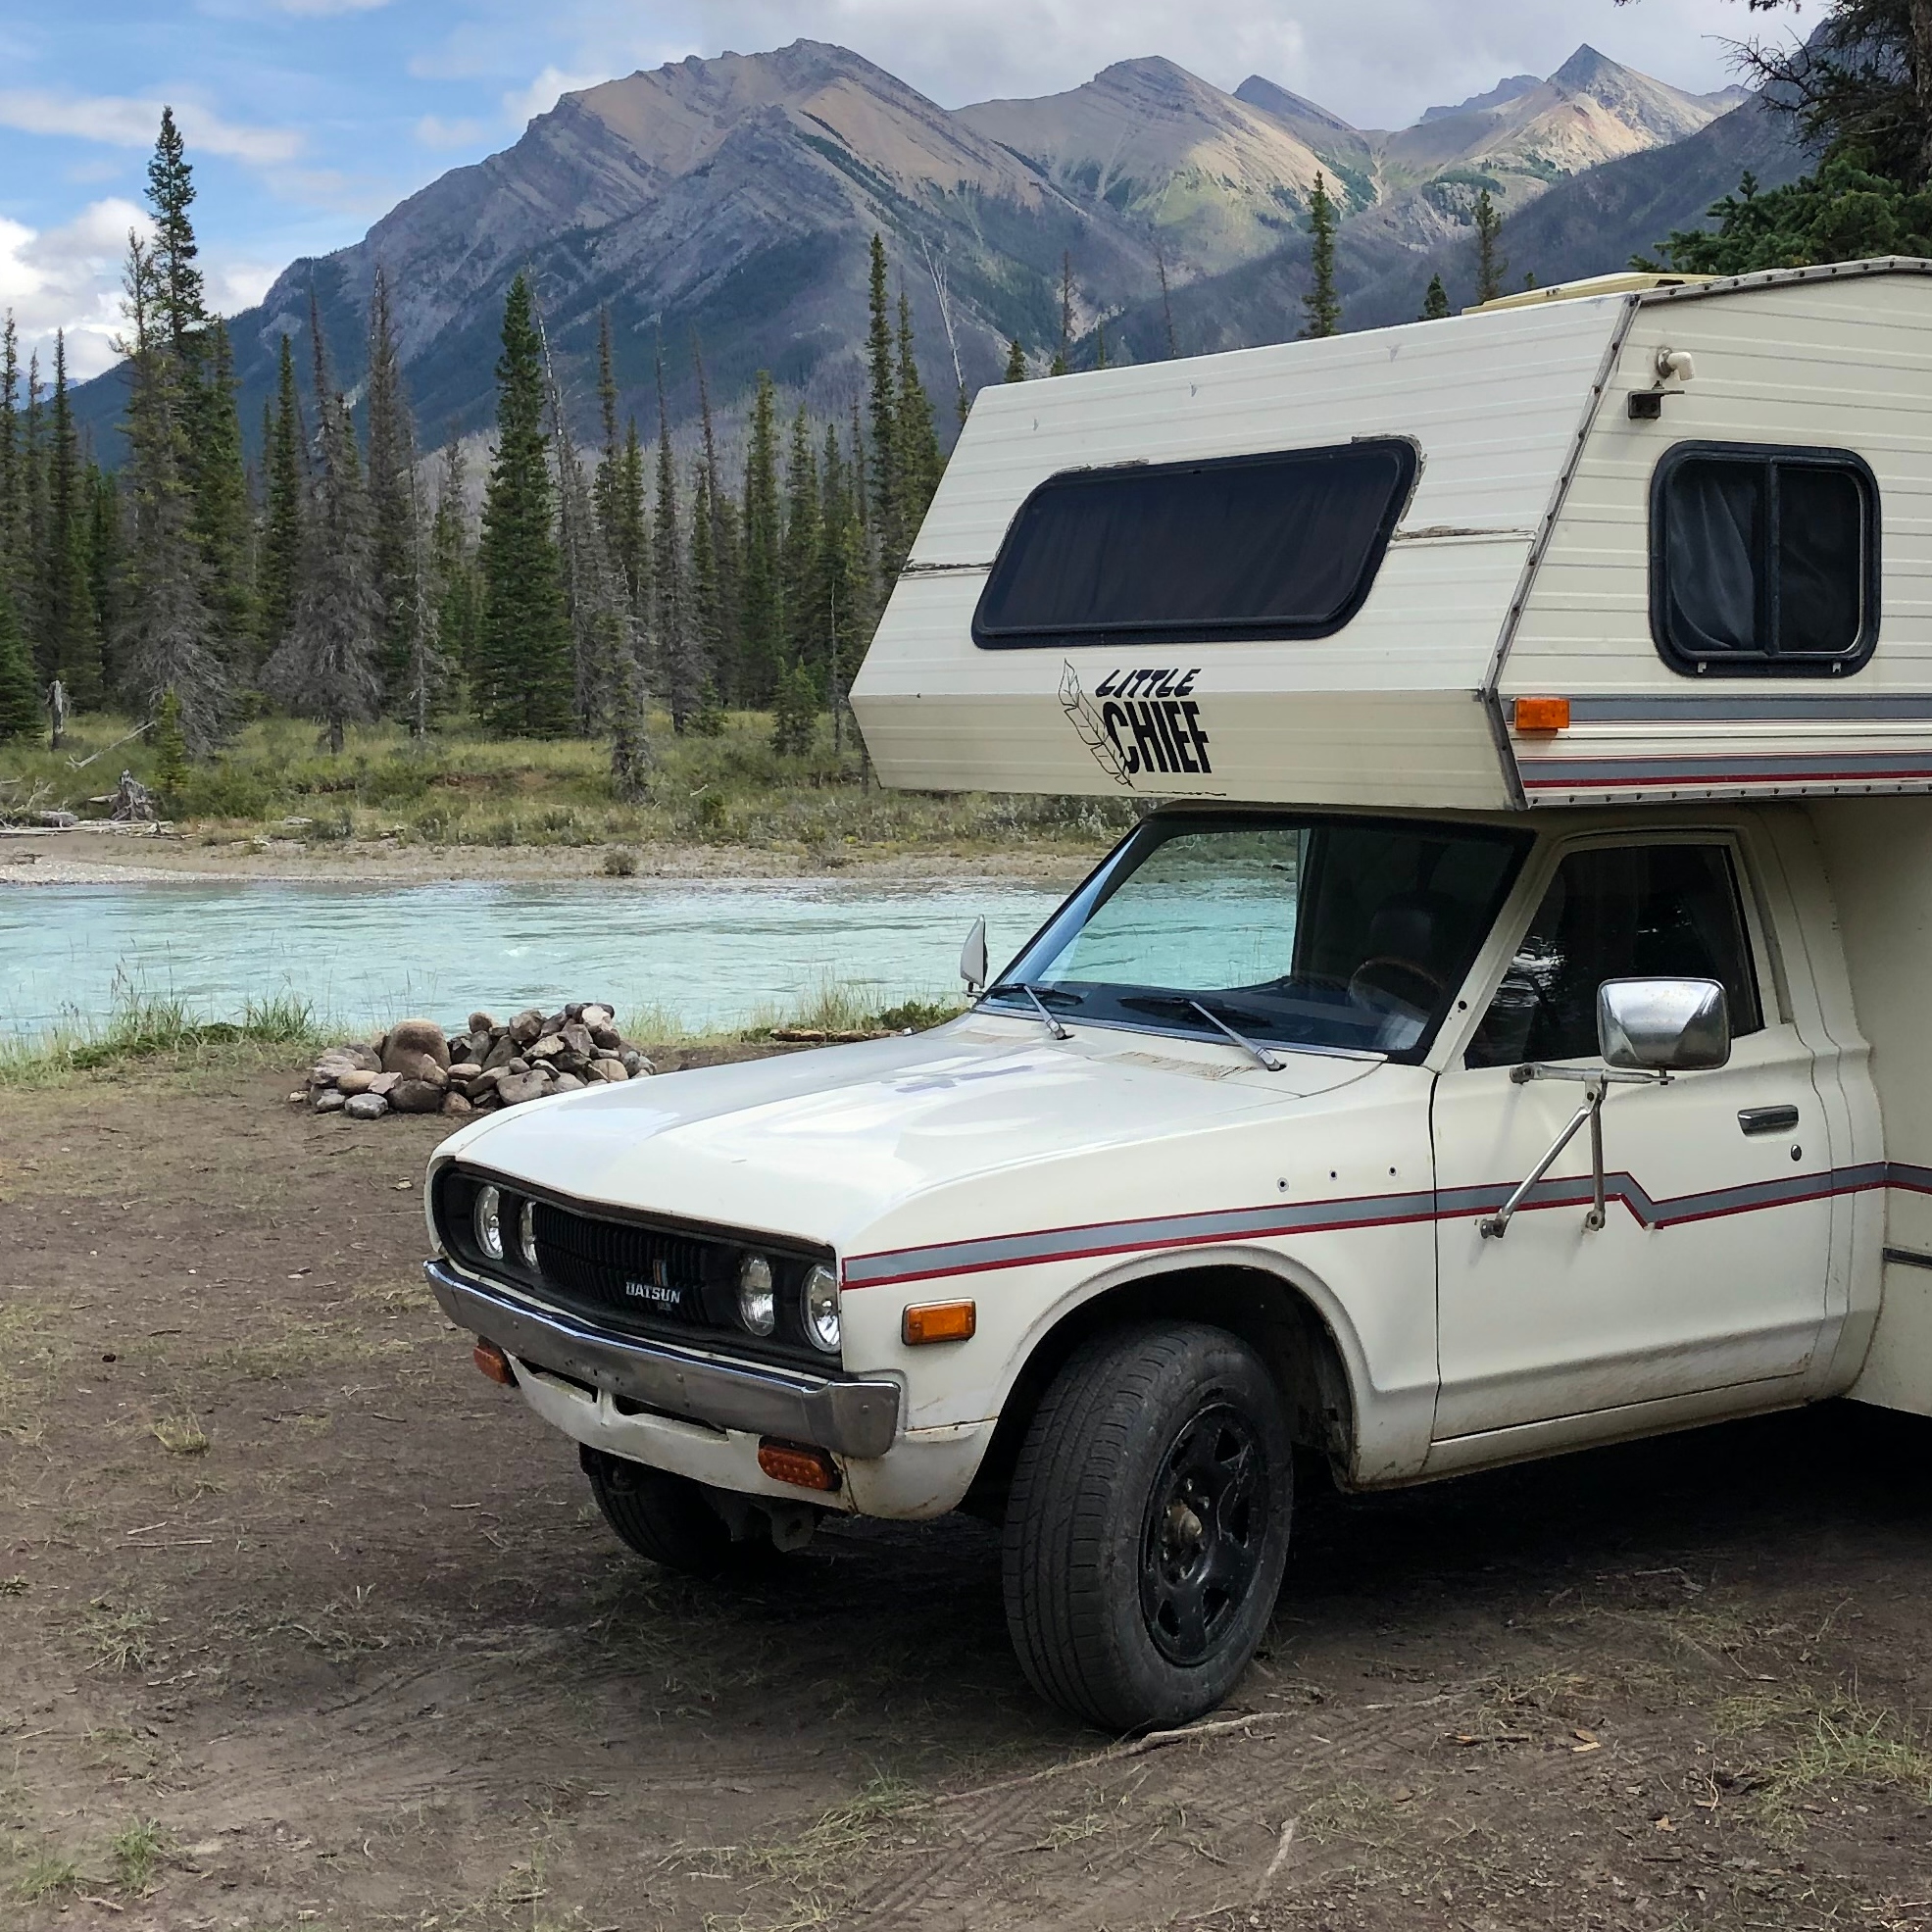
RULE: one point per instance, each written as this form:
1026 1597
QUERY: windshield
1295 931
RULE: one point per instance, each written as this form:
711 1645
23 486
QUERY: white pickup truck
1502 1032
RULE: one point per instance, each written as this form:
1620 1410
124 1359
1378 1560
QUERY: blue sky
308 118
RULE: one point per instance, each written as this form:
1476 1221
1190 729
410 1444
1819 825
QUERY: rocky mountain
731 201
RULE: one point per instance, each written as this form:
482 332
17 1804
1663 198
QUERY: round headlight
758 1301
489 1222
818 1305
527 1233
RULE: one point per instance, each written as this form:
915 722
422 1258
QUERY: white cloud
117 121
523 104
70 277
433 132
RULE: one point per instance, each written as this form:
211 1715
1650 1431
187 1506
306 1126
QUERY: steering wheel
1375 976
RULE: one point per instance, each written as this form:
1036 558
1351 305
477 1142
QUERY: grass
1816 1748
461 788
145 1028
180 1435
136 1852
117 1639
42 1875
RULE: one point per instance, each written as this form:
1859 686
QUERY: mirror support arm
1597 1082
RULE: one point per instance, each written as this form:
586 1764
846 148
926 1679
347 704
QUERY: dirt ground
304 1624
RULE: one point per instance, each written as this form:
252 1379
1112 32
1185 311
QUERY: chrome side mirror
1662 1025
972 958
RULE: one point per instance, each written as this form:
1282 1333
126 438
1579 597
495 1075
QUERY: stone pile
416 1067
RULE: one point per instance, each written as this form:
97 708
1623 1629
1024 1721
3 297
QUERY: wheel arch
1290 1321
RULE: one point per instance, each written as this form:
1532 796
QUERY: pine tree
67 591
329 667
523 681
167 640
395 538
632 533
719 638
888 519
920 460
1099 342
1323 307
704 603
1491 264
1015 362
220 481
1435 303
170 748
178 298
845 578
13 480
763 637
452 569
801 553
20 689
609 459
1061 356
679 652
282 532
34 520
106 567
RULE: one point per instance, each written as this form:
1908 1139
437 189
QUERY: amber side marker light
494 1363
790 1462
939 1321
1542 713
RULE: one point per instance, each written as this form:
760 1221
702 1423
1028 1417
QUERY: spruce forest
343 579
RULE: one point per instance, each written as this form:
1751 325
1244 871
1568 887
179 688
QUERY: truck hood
823 1146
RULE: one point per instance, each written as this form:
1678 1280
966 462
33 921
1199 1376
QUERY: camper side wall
1878 857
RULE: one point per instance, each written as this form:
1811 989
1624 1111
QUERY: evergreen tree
763 637
1015 362
632 536
801 552
888 497
34 520
1435 303
718 625
1099 342
1061 363
395 536
522 677
845 578
679 651
329 667
1491 263
609 459
167 640
70 636
283 531
20 689
920 460
220 481
795 702
13 467
170 747
1321 305
106 565
178 299
452 569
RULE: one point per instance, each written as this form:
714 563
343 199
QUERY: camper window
1255 546
1763 559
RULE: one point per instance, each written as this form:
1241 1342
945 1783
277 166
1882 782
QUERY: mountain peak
1259 91
1512 87
1586 68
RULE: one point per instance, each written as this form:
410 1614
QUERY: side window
1617 912
1763 561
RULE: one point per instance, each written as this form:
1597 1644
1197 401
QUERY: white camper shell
1507 1032
1518 563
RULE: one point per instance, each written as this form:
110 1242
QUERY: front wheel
659 1516
1147 1525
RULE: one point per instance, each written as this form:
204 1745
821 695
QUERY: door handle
1767 1119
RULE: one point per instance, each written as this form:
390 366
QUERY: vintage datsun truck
1506 1031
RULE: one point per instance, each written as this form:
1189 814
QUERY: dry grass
116 1636
180 1435
1812 1749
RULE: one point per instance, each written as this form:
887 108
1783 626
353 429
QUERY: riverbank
94 855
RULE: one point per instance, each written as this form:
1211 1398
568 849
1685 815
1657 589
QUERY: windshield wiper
1241 1040
1040 1006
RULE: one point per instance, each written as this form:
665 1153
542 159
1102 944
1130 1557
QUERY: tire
662 1516
1147 1525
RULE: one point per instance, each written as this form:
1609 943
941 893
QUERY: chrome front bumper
858 1419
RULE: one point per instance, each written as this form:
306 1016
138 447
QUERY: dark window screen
1764 560
1265 546
1622 911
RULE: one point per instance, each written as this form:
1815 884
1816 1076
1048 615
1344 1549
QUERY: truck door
1710 1271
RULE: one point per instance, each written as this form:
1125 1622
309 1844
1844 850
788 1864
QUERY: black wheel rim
1204 1533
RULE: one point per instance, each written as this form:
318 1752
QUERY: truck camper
1504 1030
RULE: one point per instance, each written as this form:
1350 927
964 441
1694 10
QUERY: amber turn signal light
494 1363
788 1461
1542 713
939 1321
